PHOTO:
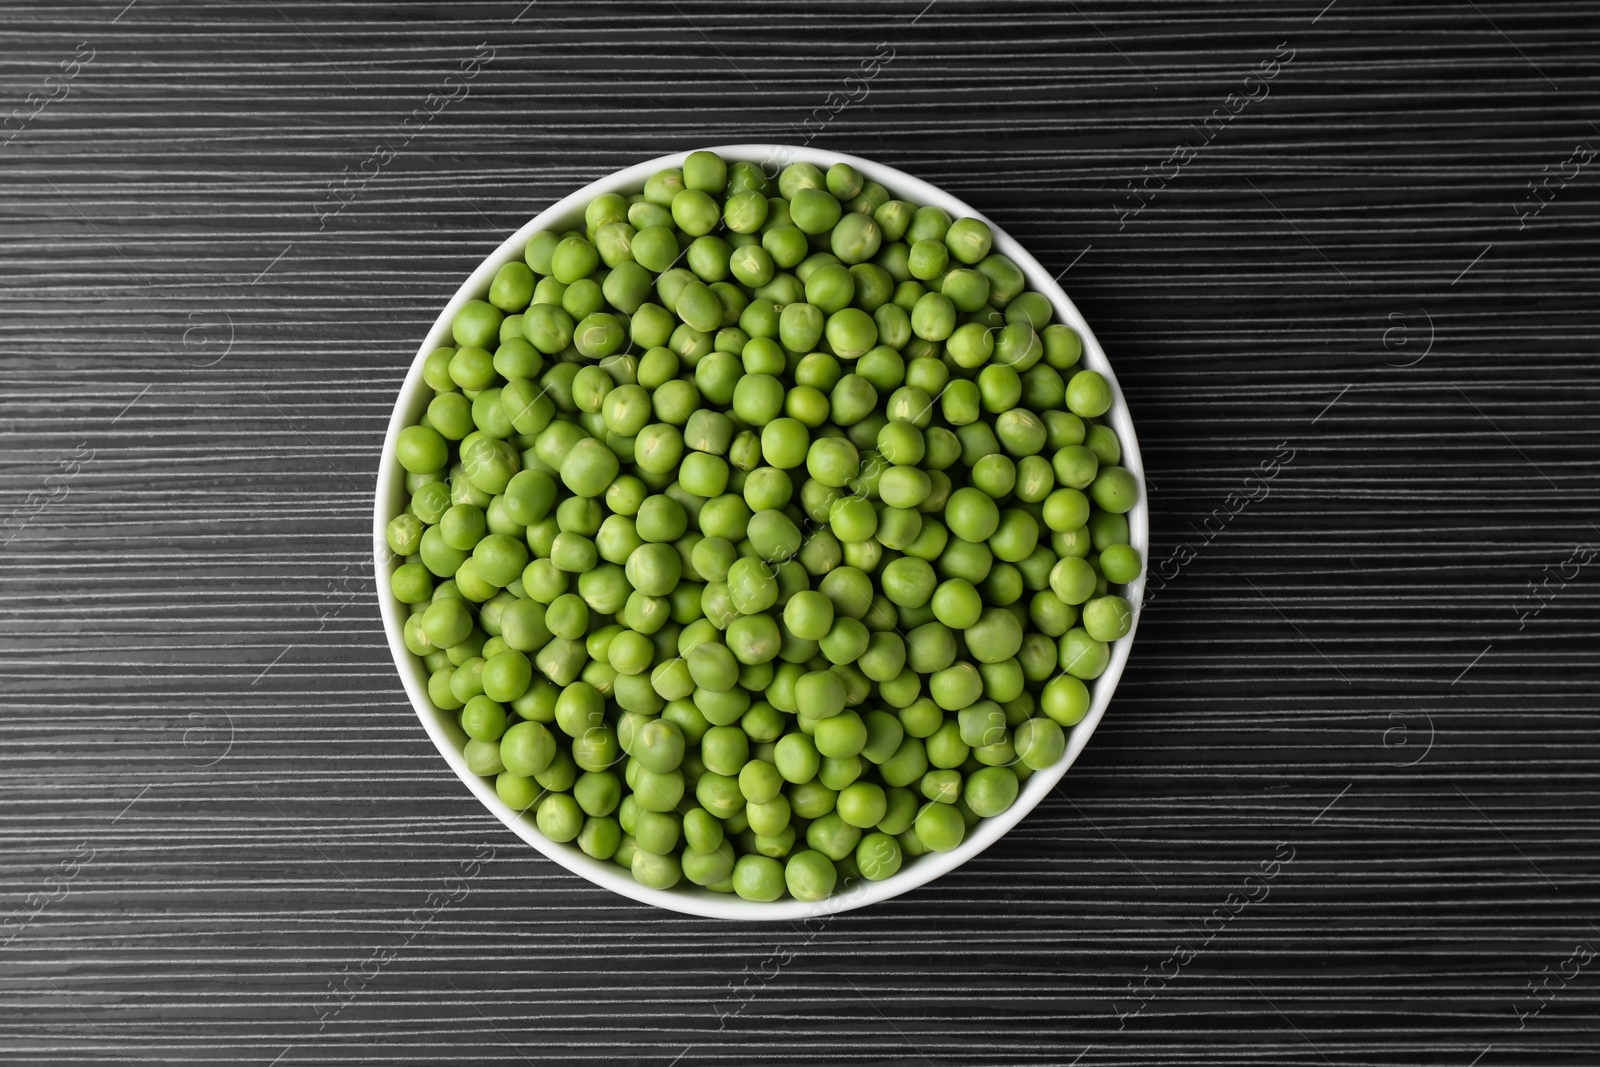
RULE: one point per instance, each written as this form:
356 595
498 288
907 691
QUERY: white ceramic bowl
446 733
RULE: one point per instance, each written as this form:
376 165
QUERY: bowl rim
446 734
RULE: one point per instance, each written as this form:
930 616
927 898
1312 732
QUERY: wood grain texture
201 709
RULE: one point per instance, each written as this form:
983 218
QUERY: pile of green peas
762 535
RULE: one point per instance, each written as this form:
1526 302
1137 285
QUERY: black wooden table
1343 255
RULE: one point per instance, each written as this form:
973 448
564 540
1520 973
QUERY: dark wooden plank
1350 672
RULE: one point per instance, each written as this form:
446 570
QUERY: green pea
1107 618
862 804
705 171
447 622
1063 347
933 318
1040 743
506 675
796 758
839 736
809 876
941 786
547 327
1081 655
656 831
411 583
878 855
655 247
559 817
429 504
809 615
771 818
658 791
969 240
831 836
657 448
745 211
833 461
538 250
483 719
814 210
967 289
708 868
1075 466
489 464
573 258
1102 441
856 238
851 332
928 260
820 694
421 450
695 212
477 325
829 285
844 181
1120 563
527 748
939 827
1105 528
786 245
1115 490
759 781
1006 280
797 176
1017 346
758 878
873 287
600 837
702 831
990 790
1015 537
753 266
1088 394
614 242
517 791
970 345
1065 700
656 871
